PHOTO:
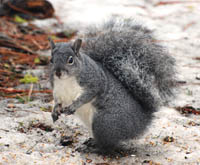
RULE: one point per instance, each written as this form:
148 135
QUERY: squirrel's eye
70 60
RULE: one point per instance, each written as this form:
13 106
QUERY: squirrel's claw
55 116
68 111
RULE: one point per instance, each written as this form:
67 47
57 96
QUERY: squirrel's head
65 58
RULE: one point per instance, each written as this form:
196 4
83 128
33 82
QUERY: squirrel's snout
58 73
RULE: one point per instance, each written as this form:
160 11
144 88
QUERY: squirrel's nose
58 73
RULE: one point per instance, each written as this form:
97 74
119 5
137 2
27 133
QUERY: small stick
175 2
29 151
30 92
11 90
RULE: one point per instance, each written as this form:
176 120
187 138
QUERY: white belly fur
65 91
86 113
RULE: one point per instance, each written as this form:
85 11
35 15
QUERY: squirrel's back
130 52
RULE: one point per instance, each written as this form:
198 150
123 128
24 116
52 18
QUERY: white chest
66 90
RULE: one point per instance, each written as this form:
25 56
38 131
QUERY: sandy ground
28 136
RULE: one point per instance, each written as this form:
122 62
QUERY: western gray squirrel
114 81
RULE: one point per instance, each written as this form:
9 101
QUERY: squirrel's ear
77 45
51 43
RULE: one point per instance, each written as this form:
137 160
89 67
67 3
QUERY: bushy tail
130 53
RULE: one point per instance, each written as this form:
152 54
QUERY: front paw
69 110
56 112
55 116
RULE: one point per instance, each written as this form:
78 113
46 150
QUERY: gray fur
123 71
130 52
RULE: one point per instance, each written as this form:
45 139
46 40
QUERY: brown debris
17 57
41 126
15 93
174 2
150 162
197 58
11 90
27 39
192 123
39 9
7 77
10 106
66 140
188 110
188 25
18 45
17 50
88 160
168 139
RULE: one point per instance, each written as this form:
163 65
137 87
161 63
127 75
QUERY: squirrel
114 81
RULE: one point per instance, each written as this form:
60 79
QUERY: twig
174 2
14 44
11 52
4 130
11 90
58 19
22 57
29 151
36 44
30 92
134 5
20 10
188 109
6 71
169 40
188 25
15 110
196 58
